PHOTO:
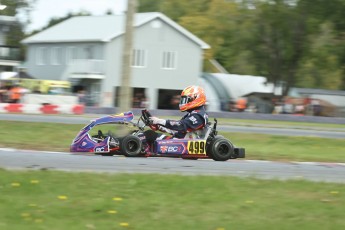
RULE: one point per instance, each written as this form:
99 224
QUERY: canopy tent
7 75
15 75
223 89
23 75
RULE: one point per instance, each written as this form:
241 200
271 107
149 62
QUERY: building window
89 52
56 56
139 58
4 52
169 60
41 55
71 54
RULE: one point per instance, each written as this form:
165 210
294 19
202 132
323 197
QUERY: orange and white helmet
192 97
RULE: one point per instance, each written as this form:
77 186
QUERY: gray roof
242 85
101 29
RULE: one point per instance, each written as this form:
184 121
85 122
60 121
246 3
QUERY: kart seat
200 134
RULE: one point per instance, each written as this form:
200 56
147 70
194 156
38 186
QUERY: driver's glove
157 121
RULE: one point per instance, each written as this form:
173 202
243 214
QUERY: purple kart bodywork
84 143
172 146
137 143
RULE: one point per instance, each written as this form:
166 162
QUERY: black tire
220 149
130 146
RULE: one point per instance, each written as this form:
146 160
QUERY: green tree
16 32
294 41
327 14
176 9
14 6
233 25
221 24
321 68
149 6
278 41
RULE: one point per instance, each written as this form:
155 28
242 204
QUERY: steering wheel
146 115
146 119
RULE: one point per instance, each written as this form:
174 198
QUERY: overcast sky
44 10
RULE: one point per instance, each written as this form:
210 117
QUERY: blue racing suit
192 121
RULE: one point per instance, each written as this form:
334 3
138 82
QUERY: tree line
298 43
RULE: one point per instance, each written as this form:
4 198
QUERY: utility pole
125 88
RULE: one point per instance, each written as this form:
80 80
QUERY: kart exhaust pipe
215 127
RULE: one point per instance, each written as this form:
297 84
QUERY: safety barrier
41 108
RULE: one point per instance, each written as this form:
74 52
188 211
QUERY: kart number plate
196 147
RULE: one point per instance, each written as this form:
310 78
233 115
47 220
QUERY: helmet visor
185 99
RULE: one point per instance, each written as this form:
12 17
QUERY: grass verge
60 200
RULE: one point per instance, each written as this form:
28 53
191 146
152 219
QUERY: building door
139 98
168 99
92 89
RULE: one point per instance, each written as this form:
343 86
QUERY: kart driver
192 101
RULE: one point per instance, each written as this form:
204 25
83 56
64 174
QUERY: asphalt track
34 160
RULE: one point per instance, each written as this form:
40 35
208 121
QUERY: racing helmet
192 97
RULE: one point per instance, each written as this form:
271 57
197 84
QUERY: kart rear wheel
130 146
220 149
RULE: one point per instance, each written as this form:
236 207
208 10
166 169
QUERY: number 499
196 147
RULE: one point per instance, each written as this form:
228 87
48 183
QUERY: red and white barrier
41 109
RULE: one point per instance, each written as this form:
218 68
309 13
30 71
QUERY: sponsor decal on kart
197 147
164 149
100 149
166 142
103 146
171 147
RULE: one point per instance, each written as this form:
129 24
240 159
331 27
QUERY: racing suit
194 120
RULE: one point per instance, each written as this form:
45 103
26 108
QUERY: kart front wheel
130 146
221 149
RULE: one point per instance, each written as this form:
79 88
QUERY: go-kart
137 143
